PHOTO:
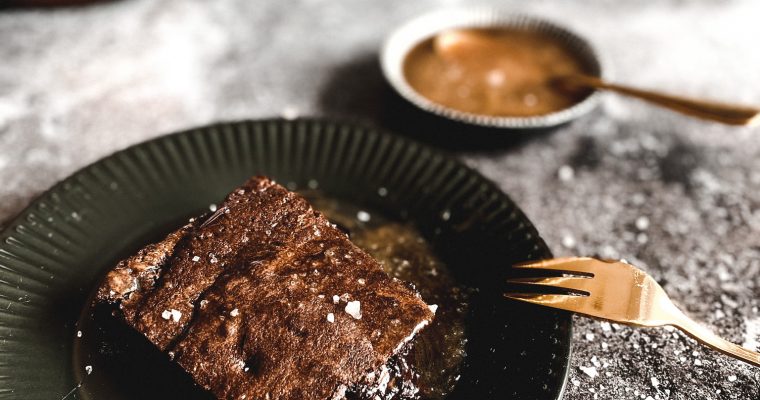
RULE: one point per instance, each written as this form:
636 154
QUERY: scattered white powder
642 223
495 77
354 309
530 100
568 241
290 112
566 173
752 333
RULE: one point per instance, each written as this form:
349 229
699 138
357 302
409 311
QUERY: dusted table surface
678 197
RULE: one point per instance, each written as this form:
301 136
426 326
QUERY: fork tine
577 284
582 265
560 301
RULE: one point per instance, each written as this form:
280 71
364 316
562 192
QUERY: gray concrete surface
678 197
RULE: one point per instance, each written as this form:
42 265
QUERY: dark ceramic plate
54 252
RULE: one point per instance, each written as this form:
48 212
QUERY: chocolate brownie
266 299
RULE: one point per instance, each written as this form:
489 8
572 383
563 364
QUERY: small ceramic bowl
406 37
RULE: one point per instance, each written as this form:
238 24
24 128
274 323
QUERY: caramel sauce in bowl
504 80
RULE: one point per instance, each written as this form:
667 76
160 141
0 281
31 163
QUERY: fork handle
706 336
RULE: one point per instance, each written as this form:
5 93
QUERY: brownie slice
266 299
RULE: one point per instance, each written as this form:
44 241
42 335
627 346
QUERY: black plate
53 253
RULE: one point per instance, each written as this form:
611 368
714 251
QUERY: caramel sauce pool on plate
508 72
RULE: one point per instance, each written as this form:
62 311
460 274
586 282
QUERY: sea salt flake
446 215
655 382
166 314
433 308
175 314
336 299
234 313
732 378
88 369
590 337
590 371
331 318
606 326
353 308
363 216
212 207
196 258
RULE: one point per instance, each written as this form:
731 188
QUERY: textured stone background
678 197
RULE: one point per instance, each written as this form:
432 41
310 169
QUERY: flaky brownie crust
265 299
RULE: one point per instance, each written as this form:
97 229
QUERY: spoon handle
726 113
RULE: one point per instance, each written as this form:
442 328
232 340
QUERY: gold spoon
458 44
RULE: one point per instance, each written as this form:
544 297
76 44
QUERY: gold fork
614 291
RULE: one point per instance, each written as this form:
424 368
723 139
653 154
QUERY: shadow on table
358 90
